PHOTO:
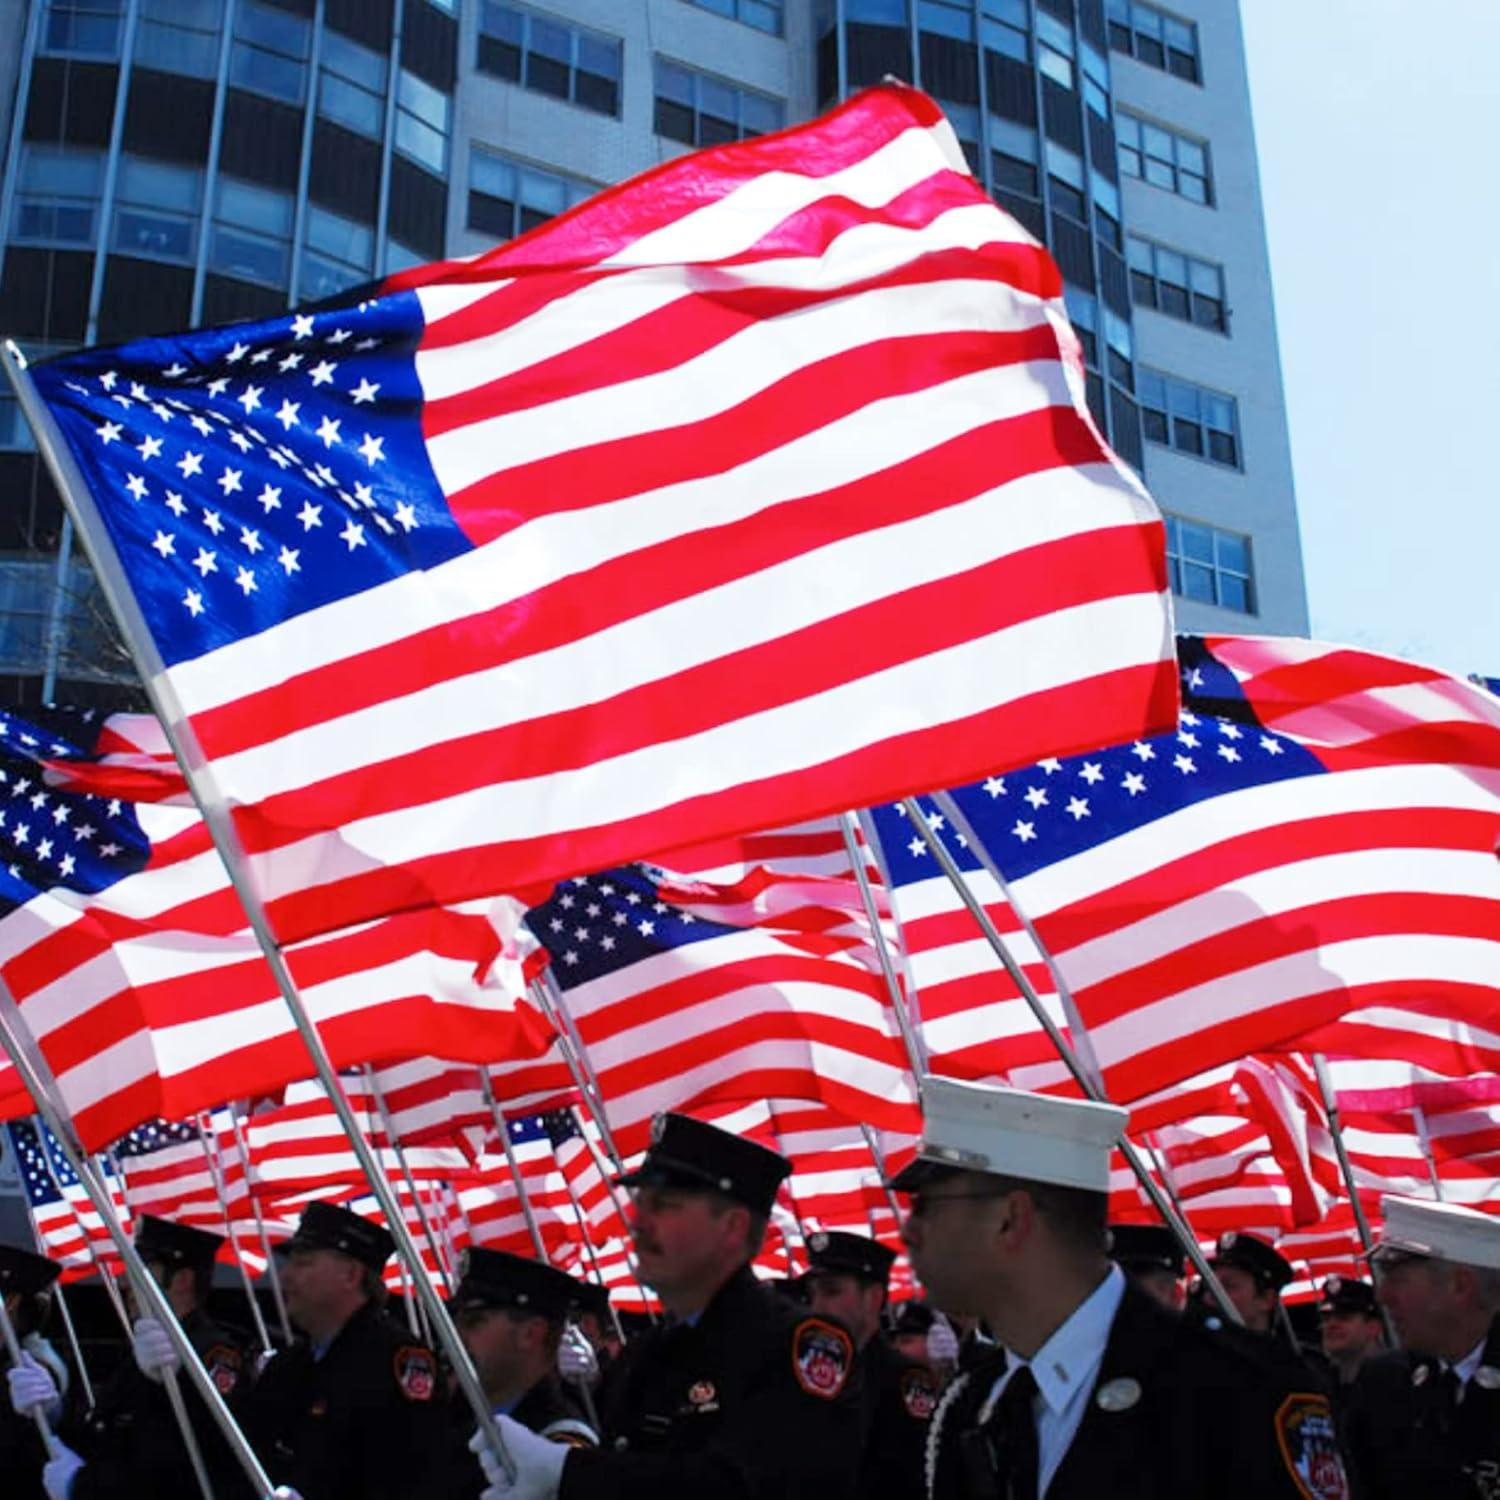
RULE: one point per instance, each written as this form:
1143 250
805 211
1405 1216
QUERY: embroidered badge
919 1394
701 1392
1118 1395
416 1373
822 1356
223 1365
1309 1447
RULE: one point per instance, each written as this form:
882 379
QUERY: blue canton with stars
598 924
1034 817
155 1135
50 838
26 1141
250 473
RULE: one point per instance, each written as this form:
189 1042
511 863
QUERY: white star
86 831
212 521
353 535
372 449
246 580
287 415
328 430
1091 772
236 354
1036 796
310 515
1229 753
619 919
270 498
175 503
323 475
206 562
570 957
1183 764
138 390
1024 831
44 849
995 786
240 441
260 356
607 943
173 370
194 601
1078 808
108 432
364 391
302 326
61 813
108 851
365 495
200 424
164 543
190 464
66 865
917 846
229 480
645 928
250 398
150 448
21 833
364 344
1050 765
339 336
1190 719
1143 752
1186 737
250 540
1134 783
1195 677
565 901
289 363
219 386
322 372
287 557
160 412
1228 730
137 486
580 934
107 380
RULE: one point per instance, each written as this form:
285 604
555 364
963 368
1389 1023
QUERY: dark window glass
1010 172
550 57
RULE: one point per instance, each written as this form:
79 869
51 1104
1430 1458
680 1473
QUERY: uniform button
621 1444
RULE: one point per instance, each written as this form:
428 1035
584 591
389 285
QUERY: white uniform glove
539 1463
32 1386
576 1359
61 1470
286 1492
942 1343
153 1348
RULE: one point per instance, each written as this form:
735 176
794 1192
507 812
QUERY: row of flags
566 647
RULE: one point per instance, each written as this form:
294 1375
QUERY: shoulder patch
225 1364
822 1357
919 1393
572 1432
416 1372
1309 1447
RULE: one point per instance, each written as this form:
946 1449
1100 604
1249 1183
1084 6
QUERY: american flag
130 957
68 1226
756 487
677 1010
1228 888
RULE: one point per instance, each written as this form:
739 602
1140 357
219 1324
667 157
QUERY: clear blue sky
1377 123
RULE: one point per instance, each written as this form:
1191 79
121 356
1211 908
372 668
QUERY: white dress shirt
1065 1369
1466 1367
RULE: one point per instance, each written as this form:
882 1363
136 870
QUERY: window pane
157 235
1234 552
1160 174
1138 254
1184 399
248 256
1196 542
266 73
502 22
170 48
599 55
1190 157
1152 390
1194 189
674 83
1171 266
1157 142
1234 593
340 237
254 207
1206 278
1218 411
350 105
489 174
157 184
759 115
272 28
1198 583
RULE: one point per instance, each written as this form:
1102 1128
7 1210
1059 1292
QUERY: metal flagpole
602 1168
549 997
37 1078
1424 1139
13 1346
1091 1090
202 782
260 1229
217 1176
532 1227
411 1183
916 1056
879 1159
1346 1167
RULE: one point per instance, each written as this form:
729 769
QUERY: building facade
170 162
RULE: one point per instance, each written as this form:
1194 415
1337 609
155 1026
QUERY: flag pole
216 1175
503 1130
202 782
612 1188
260 1227
1346 1167
36 1075
1091 1090
1424 1139
916 1057
549 997
13 1347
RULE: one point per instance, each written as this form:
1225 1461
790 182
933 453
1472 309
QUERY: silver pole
1424 1138
1346 1167
1159 1200
13 1345
575 1054
260 1229
879 1159
532 1228
213 805
217 1176
37 1077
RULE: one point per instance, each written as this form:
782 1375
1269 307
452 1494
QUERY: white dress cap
1445 1231
980 1127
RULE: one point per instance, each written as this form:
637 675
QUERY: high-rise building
177 161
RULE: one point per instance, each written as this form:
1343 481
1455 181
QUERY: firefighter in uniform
39 1380
1095 1389
738 1395
1152 1259
846 1281
355 1412
130 1444
512 1314
1426 1421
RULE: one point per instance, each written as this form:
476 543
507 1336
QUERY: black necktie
1014 1425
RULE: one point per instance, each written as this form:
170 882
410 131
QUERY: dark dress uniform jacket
1178 1412
131 1444
1406 1436
364 1422
548 1408
756 1401
899 1398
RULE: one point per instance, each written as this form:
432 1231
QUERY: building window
763 15
1209 565
83 28
548 57
1054 48
156 209
351 85
701 110
422 122
508 197
338 254
1163 158
1005 27
1189 418
1156 38
180 36
1095 80
1182 286
252 233
57 189
270 51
